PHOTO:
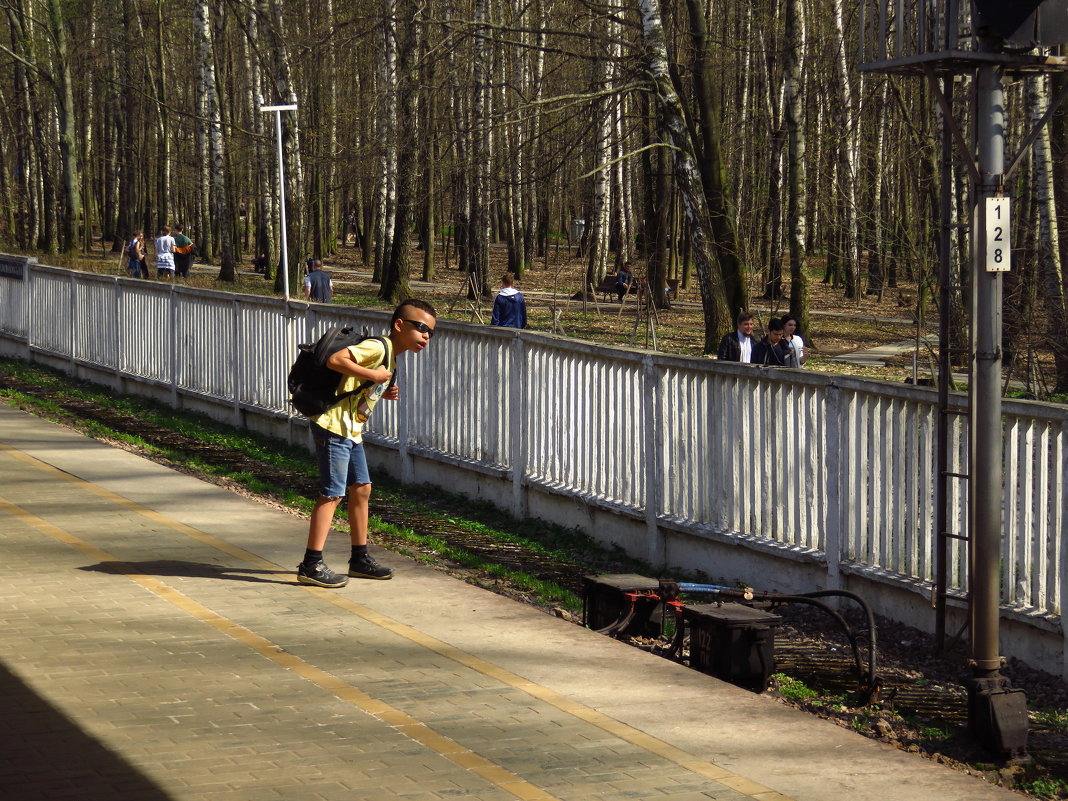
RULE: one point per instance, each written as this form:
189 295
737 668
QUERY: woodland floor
838 325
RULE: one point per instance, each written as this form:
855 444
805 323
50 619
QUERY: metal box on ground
605 601
732 642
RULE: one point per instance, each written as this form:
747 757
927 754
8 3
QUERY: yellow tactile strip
404 723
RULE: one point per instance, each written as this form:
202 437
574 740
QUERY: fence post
172 345
238 332
404 435
833 464
117 341
1062 464
652 416
72 330
517 416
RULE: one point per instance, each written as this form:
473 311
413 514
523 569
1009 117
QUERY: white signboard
998 250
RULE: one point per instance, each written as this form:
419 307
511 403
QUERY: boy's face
407 335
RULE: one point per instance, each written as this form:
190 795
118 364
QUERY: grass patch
792 689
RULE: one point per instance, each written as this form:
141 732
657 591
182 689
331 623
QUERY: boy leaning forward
338 433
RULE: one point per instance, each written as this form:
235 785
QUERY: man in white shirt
165 253
738 345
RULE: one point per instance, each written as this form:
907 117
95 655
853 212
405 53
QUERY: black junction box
605 601
732 642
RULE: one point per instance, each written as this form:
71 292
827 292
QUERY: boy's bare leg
362 565
321 518
359 511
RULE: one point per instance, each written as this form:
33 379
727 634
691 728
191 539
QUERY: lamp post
281 189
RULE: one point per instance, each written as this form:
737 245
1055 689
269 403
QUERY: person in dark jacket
738 346
772 350
318 287
510 307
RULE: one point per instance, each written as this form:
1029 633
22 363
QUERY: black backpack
313 385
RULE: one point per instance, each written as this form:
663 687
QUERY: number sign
998 250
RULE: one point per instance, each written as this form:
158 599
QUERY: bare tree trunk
847 173
265 236
717 314
796 204
68 128
711 171
213 121
1048 247
395 284
597 264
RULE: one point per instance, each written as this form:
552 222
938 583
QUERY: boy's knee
360 491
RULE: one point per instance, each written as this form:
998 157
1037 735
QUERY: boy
165 253
510 307
772 350
338 435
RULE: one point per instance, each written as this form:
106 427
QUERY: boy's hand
381 375
393 393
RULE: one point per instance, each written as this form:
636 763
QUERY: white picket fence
806 465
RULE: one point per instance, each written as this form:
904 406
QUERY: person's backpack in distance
313 385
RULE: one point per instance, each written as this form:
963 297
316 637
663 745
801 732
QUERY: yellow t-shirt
346 418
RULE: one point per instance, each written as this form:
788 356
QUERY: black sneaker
320 575
366 567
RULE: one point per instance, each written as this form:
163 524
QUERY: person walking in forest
794 340
318 286
509 307
368 371
772 350
184 251
737 346
624 278
135 254
165 253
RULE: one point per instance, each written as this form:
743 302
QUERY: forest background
732 147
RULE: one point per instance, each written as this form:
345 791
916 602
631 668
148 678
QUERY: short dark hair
743 317
508 279
414 303
775 324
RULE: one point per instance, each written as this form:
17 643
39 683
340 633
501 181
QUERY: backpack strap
387 347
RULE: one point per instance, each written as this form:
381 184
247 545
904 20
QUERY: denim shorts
342 463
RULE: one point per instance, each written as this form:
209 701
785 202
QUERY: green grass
792 689
1046 788
480 518
1056 719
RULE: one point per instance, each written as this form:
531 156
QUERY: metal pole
282 204
945 373
986 493
997 714
282 190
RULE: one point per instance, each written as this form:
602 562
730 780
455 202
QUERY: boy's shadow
172 567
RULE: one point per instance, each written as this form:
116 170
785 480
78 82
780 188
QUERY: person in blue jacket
510 307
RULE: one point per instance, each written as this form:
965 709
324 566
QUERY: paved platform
156 646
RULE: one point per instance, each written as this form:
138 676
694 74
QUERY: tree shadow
47 755
173 567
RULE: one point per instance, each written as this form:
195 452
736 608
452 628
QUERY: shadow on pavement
171 567
46 755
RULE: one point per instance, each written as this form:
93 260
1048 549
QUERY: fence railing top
632 356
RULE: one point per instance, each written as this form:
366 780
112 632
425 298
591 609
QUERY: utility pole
924 38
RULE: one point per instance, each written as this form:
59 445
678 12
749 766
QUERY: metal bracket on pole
951 123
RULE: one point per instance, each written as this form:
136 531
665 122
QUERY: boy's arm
344 361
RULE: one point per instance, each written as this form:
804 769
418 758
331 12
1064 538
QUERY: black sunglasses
422 328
